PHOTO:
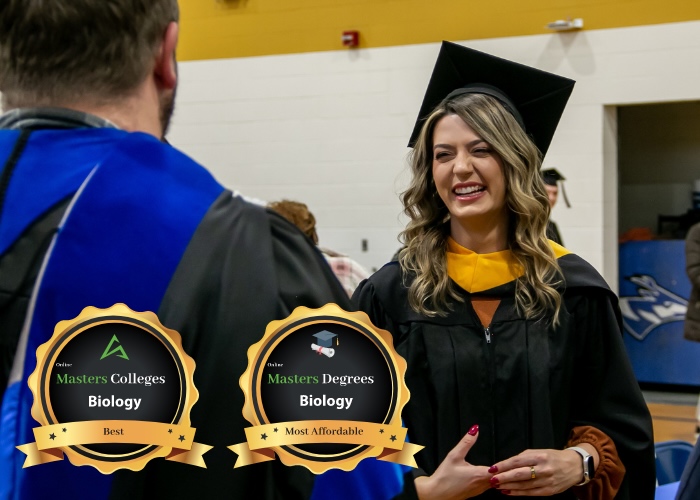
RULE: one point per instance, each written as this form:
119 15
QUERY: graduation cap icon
534 97
325 338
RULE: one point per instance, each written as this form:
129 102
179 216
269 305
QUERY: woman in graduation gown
513 343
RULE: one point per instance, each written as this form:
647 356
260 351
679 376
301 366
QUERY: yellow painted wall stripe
212 29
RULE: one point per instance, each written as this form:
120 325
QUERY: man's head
552 194
59 52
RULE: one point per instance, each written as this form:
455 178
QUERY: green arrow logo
119 349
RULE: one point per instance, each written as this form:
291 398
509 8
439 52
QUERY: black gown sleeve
244 267
606 395
365 299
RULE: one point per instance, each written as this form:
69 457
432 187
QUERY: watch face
590 466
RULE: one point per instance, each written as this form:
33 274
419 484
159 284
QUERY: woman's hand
455 478
554 471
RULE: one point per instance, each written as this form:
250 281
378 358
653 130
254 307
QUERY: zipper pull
487 334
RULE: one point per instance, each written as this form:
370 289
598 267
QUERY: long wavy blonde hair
425 237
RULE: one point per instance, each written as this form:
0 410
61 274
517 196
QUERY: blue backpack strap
121 241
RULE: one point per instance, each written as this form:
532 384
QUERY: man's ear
165 70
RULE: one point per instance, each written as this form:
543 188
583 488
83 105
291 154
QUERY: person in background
691 327
95 209
689 485
551 178
519 380
349 273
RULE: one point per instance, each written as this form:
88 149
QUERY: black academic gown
528 386
553 232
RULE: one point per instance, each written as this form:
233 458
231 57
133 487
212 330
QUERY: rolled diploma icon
328 351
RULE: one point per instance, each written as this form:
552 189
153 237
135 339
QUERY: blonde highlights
425 237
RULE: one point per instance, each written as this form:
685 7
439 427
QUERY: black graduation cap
325 338
552 176
536 98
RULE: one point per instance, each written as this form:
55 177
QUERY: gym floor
673 415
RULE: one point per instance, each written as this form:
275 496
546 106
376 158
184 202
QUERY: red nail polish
473 431
494 481
493 469
505 492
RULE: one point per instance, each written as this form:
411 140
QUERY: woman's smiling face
468 174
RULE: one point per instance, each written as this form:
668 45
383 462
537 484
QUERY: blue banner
654 292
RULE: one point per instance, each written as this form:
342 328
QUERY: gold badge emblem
324 389
113 388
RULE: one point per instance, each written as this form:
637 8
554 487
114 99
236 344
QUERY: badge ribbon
51 438
262 438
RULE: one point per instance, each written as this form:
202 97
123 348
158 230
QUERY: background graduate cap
552 176
536 98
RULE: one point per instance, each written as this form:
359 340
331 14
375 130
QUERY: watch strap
587 460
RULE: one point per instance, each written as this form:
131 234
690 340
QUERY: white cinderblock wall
330 128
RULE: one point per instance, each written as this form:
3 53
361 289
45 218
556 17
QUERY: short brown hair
62 51
299 215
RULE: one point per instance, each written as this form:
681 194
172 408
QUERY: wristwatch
588 465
